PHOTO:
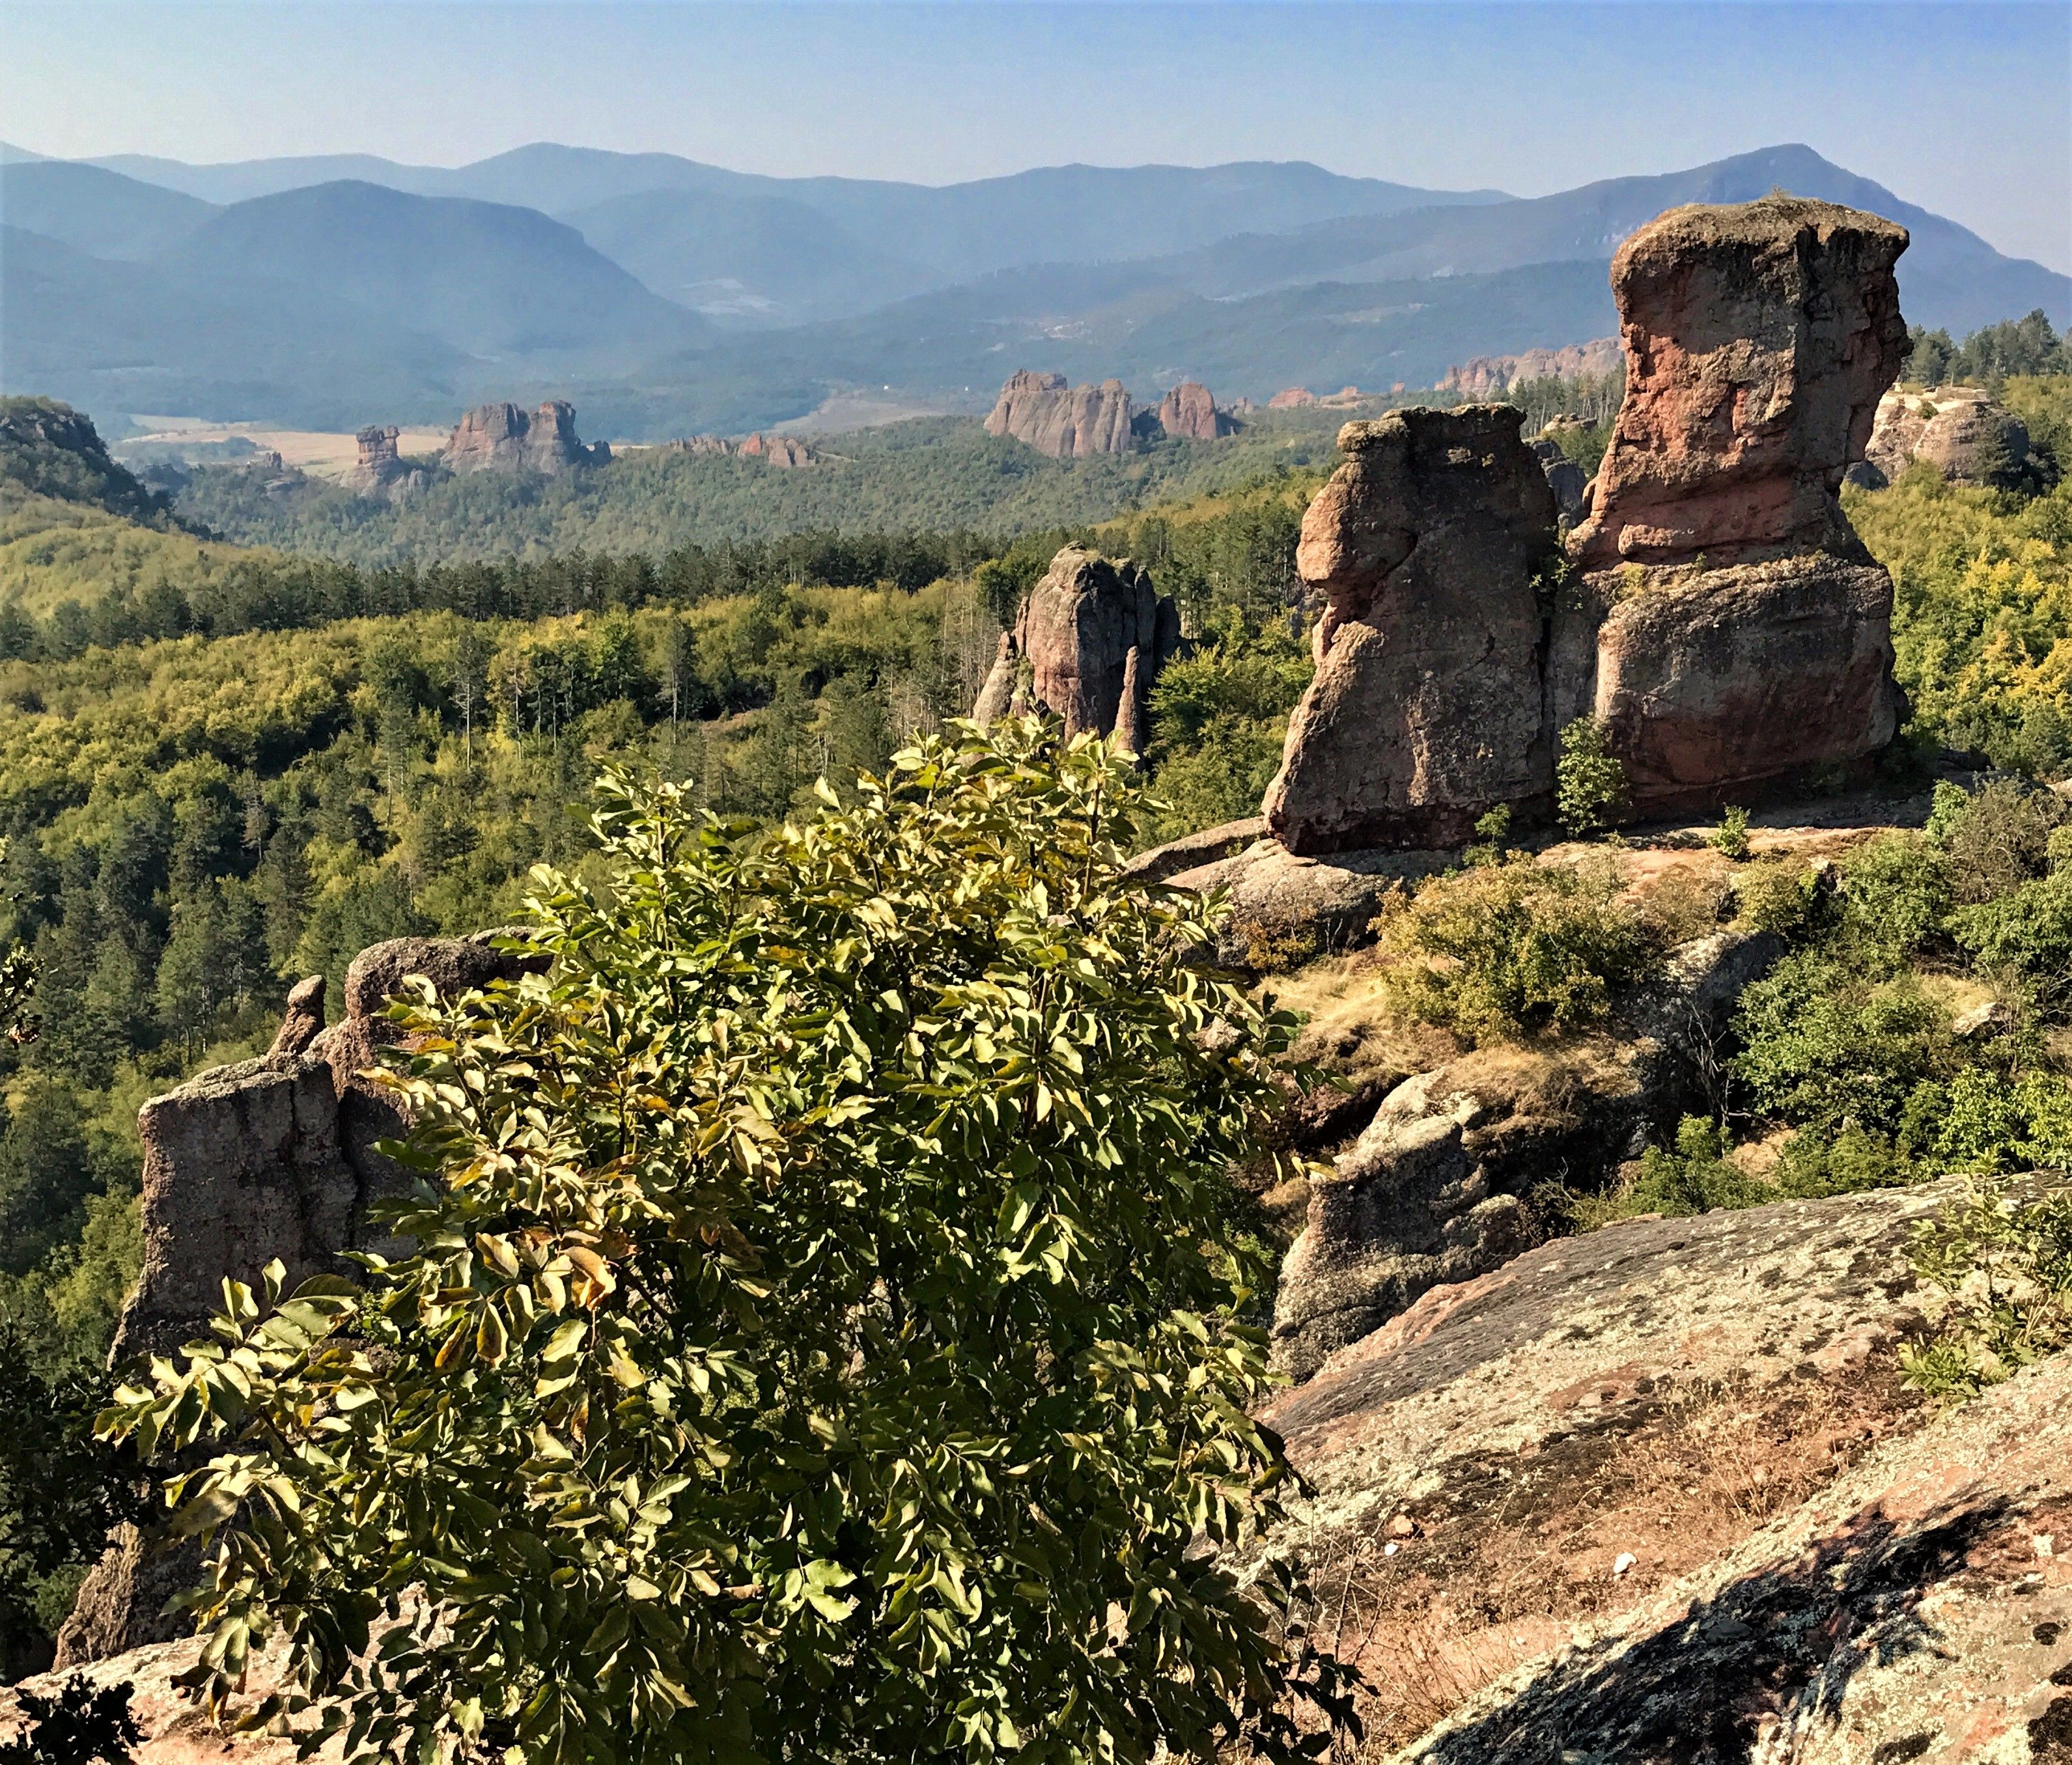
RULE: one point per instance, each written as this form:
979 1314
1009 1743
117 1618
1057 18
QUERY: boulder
1425 549
503 438
1438 1188
1065 422
1077 633
1189 413
1967 436
1715 684
1190 852
1287 907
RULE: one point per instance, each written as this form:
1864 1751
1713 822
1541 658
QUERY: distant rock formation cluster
1067 422
505 438
1086 646
1485 376
1969 437
1074 422
1722 620
1301 398
773 449
273 1157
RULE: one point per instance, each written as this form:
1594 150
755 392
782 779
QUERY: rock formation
1291 398
1091 636
1066 423
379 469
273 1157
1437 1187
501 437
1485 376
1967 435
1424 549
775 450
1745 631
1564 478
1190 413
1723 621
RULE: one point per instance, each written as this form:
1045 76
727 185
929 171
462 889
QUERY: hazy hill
97 212
115 337
483 277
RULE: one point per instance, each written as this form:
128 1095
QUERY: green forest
224 766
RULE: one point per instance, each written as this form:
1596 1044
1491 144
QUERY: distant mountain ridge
665 297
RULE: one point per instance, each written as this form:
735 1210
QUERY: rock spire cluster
1717 614
1074 422
503 438
1086 646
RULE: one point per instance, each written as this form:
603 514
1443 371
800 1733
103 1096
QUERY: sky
1965 109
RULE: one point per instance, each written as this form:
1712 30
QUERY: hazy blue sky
1966 108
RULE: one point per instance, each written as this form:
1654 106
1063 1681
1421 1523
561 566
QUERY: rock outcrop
503 438
1655 1494
1291 398
1426 550
273 1157
1745 633
379 468
778 450
1722 620
1564 478
1189 413
1065 422
1437 1188
1086 646
1967 436
1485 377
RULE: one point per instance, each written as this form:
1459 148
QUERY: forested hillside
932 474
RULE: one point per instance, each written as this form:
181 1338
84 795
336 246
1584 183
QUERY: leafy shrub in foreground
2005 1266
81 1725
825 1341
1506 949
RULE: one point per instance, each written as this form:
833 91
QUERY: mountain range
664 295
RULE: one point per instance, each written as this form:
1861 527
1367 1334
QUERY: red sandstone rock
1190 412
1426 709
501 437
1093 635
1758 339
1485 376
1292 398
1066 423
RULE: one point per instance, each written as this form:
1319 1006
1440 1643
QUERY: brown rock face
1758 339
1066 423
1426 708
501 437
1291 398
1093 634
1189 413
782 450
1743 632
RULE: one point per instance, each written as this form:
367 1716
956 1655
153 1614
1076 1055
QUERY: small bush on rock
1731 837
1696 1177
2005 1266
1511 949
1590 783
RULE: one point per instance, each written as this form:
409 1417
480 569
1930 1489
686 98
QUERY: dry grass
1504 1566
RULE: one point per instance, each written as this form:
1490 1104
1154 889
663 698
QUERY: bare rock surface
1564 478
1190 412
1488 376
1190 852
1067 422
1438 1188
1427 706
1075 638
1322 903
506 439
